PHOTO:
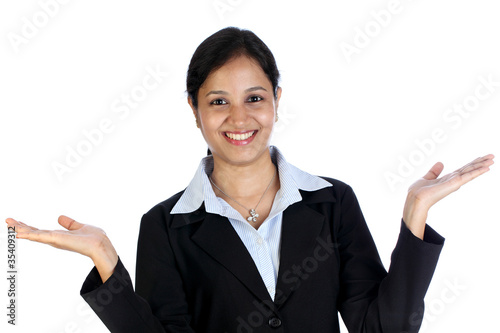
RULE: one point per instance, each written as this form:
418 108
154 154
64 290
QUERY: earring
277 117
197 125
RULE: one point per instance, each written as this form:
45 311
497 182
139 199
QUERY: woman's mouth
238 138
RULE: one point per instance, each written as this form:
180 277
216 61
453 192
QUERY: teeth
239 137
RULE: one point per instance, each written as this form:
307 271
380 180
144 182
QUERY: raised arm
81 238
375 301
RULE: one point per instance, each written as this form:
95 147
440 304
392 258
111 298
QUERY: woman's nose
238 114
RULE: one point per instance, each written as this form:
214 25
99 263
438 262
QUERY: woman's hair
221 47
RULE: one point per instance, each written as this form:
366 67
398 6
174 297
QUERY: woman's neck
245 181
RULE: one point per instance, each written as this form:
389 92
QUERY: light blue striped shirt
263 244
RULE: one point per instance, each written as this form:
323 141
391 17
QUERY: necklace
253 214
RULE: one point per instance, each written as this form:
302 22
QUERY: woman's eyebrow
255 88
222 92
217 92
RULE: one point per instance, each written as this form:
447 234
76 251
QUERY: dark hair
221 47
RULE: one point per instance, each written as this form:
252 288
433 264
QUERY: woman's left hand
428 190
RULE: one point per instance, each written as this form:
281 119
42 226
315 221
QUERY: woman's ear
278 96
195 111
277 101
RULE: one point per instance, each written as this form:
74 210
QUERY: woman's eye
255 99
218 101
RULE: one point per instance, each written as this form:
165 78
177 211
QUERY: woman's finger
40 236
18 225
10 221
434 172
69 223
24 231
486 160
473 173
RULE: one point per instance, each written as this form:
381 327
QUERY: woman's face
237 111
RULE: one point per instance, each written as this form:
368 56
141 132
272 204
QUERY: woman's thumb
69 223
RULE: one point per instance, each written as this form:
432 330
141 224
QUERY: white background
354 118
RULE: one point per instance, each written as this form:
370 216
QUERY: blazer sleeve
158 304
371 299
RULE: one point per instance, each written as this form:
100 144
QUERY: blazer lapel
301 227
217 237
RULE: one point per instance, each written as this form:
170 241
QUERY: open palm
429 189
85 239
80 238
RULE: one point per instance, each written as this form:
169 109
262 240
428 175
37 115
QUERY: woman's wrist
415 217
105 258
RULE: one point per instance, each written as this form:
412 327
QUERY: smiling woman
237 106
254 244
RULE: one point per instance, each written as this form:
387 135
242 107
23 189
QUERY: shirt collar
292 180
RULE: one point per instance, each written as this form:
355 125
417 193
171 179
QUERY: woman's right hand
81 238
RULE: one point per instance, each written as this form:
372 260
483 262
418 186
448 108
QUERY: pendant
254 216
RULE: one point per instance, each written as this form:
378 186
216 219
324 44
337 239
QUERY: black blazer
194 274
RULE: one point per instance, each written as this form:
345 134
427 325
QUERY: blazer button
274 322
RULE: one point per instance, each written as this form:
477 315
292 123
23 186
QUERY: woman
254 244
